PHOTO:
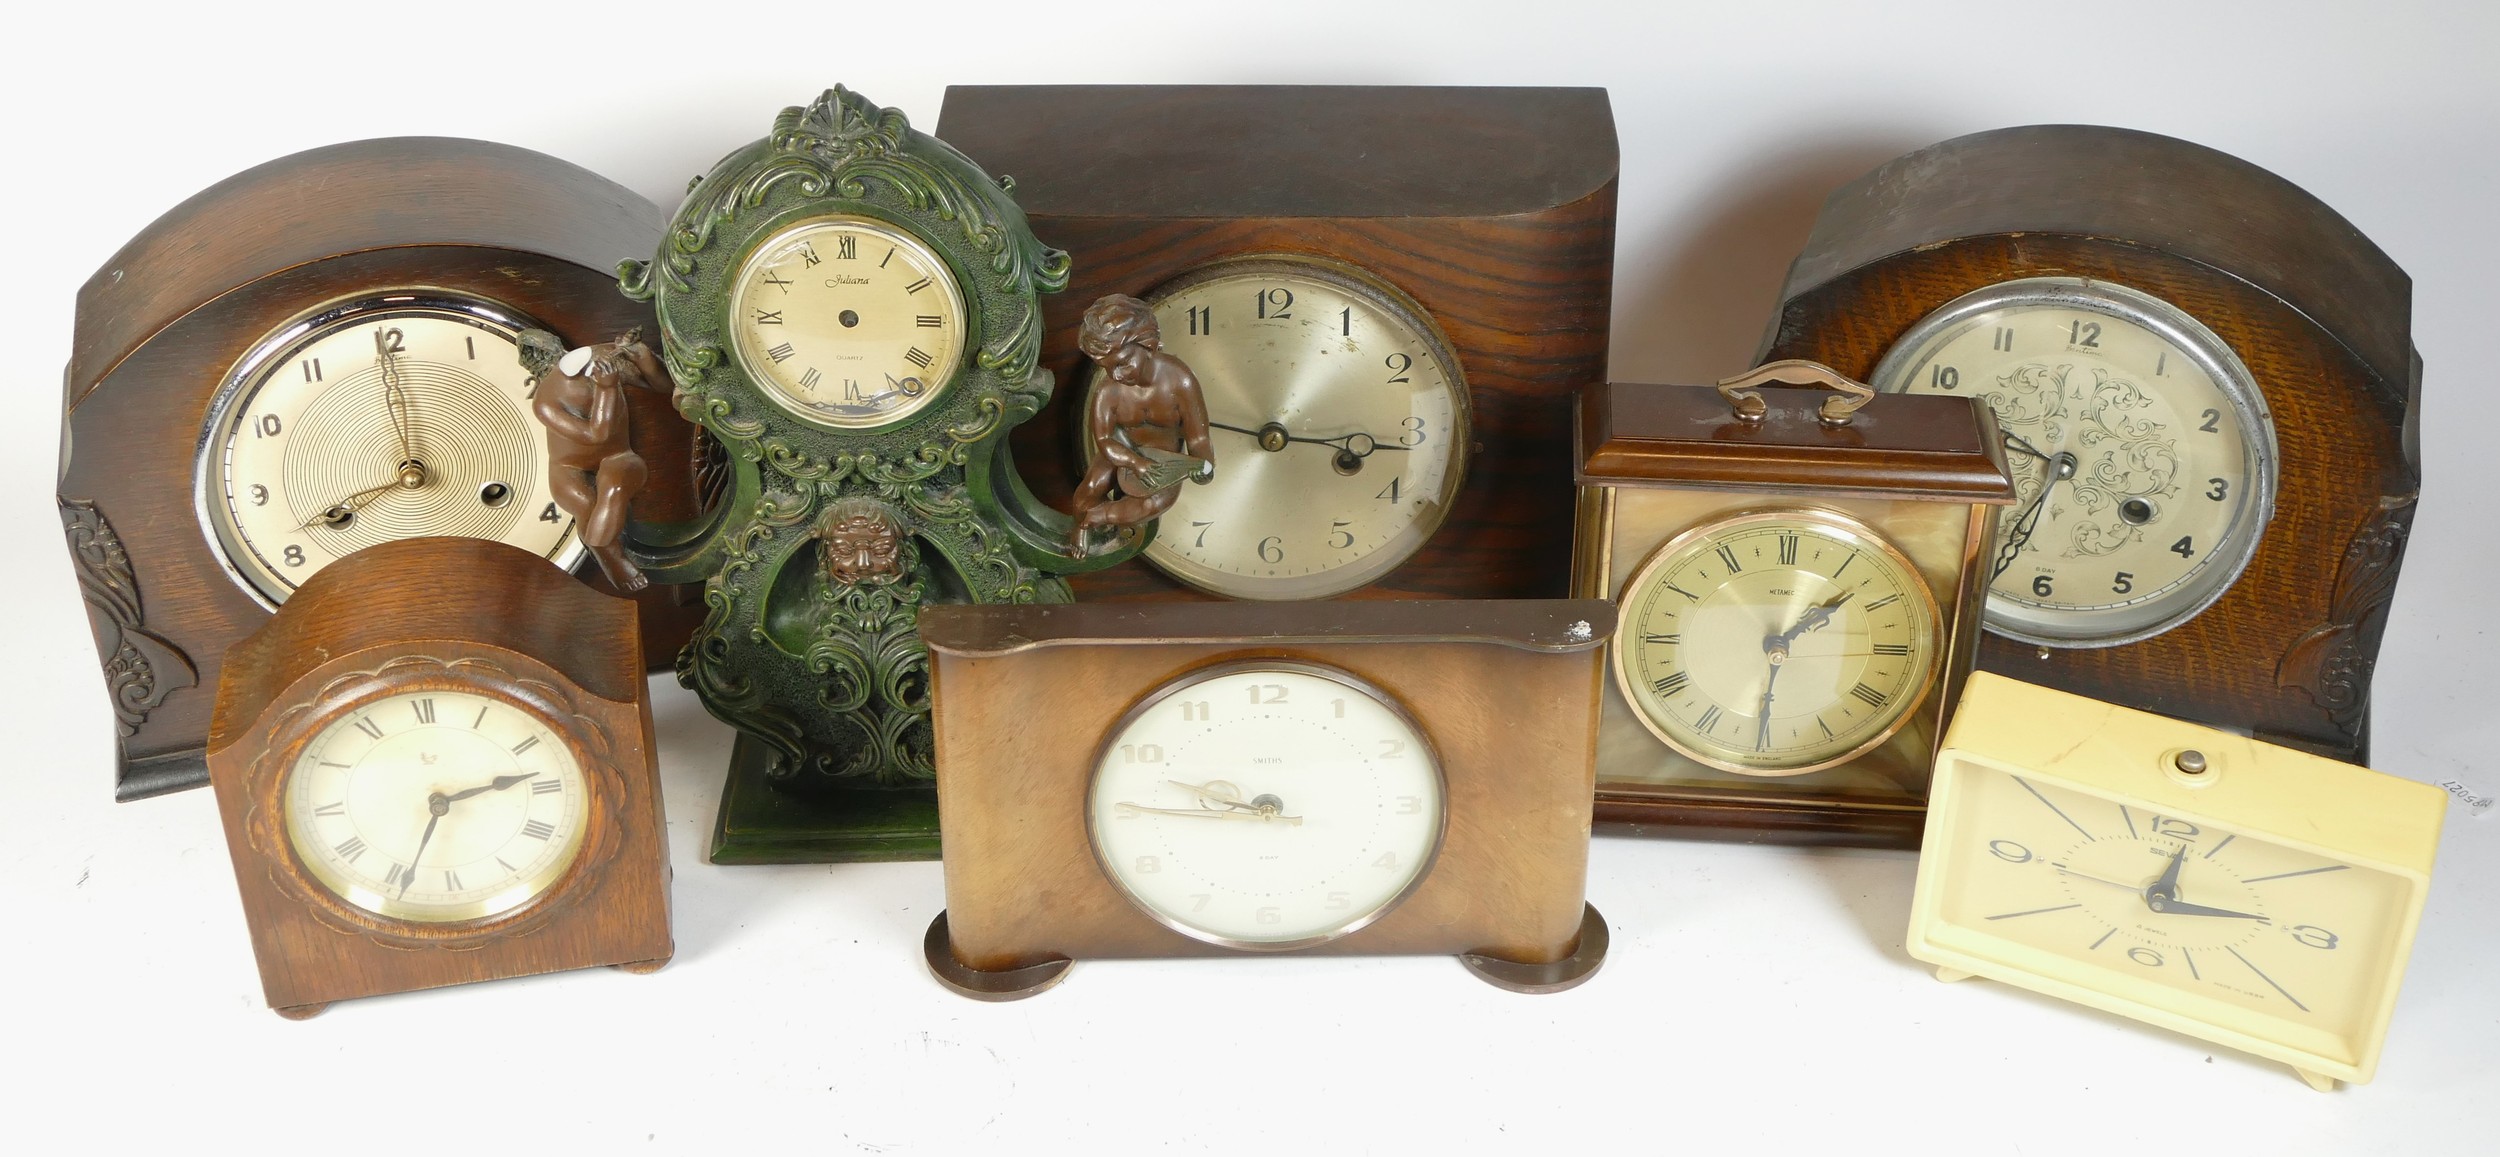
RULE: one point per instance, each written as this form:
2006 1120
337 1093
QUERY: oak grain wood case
1504 692
1926 473
2317 312
1493 208
513 628
162 323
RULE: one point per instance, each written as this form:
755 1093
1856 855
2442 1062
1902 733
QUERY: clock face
2218 924
397 416
1266 805
1340 427
1776 642
435 806
2142 453
848 322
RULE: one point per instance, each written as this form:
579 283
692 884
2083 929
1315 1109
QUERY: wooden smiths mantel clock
1386 294
852 308
1341 778
313 357
2236 891
1800 578
435 766
2207 392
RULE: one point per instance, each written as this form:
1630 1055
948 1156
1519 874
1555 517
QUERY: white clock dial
436 806
399 416
2142 453
848 322
1266 805
1339 421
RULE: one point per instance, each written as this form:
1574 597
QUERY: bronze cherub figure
1147 423
592 468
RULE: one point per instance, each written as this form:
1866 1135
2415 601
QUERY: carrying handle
1744 395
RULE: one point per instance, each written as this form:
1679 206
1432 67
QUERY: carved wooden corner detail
2334 661
140 669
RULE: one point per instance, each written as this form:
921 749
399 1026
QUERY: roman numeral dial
1776 643
848 322
466 807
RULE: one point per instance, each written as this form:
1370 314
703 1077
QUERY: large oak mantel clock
313 357
1387 294
2207 392
435 766
852 309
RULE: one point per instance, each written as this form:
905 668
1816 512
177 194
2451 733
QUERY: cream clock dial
436 806
1777 642
1340 426
397 416
2144 899
2142 451
1266 805
848 322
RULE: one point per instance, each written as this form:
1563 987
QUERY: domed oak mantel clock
852 309
1800 575
313 357
435 766
2235 891
1334 778
1386 292
2206 389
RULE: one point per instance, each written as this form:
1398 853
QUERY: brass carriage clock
852 309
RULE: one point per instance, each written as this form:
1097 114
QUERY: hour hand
1125 808
2169 907
500 783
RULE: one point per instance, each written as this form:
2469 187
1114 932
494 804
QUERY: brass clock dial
848 322
1266 805
1776 642
1340 420
2142 451
435 806
395 416
2140 899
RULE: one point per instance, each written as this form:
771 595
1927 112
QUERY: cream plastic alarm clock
2247 894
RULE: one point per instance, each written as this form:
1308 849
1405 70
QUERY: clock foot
1949 975
301 1011
1007 984
1556 976
644 967
2319 1081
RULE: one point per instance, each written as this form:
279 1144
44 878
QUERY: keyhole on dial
849 319
494 494
2136 511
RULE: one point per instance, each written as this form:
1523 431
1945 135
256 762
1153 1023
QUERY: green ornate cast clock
851 308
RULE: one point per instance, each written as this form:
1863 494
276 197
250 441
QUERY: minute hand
2182 908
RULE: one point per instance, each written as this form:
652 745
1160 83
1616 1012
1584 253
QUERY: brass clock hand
394 396
501 782
1205 813
411 476
2061 467
1216 791
2169 907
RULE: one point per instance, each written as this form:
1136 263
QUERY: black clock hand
501 782
2061 467
2166 887
1273 437
2182 908
2020 445
435 805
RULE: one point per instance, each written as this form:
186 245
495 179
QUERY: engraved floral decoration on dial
2159 900
1266 805
1340 419
1776 642
436 806
847 321
391 417
2142 453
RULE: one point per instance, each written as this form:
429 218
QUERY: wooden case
380 622
1493 208
1925 473
2317 312
162 323
1027 694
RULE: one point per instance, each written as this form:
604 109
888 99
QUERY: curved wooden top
383 193
1170 150
2137 187
1920 446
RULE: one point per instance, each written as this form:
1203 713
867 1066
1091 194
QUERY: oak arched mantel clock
851 308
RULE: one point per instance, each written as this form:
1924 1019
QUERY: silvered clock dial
2142 452
1341 422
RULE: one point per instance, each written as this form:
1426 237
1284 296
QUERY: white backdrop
1756 997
